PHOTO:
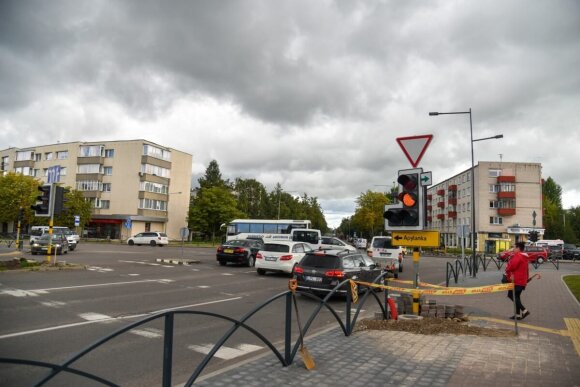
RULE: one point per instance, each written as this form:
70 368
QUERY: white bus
262 228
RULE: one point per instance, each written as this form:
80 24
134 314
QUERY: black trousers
519 306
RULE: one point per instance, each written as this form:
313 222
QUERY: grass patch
573 283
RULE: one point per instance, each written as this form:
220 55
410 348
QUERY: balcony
452 214
441 204
452 201
506 195
429 196
452 187
429 219
506 179
441 216
506 211
429 207
441 192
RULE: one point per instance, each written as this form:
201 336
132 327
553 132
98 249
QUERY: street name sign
416 238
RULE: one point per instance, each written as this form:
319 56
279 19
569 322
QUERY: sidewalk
542 354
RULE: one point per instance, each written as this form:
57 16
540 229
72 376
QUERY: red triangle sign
414 147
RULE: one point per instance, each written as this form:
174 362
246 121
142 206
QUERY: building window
48 156
89 168
494 188
26 171
110 153
103 204
506 187
156 152
106 187
38 157
494 172
108 171
151 204
36 172
155 170
495 220
493 204
63 171
24 156
154 187
91 150
88 185
62 155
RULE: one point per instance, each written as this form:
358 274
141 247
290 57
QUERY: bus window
284 229
256 227
270 228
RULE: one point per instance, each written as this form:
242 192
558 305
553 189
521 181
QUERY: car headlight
35 244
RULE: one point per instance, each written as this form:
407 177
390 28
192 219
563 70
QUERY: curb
185 262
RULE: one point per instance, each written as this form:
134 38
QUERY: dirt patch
23 264
432 326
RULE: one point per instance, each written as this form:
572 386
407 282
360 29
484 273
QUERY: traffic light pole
50 222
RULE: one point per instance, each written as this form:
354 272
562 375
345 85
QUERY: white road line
72 325
150 333
99 269
226 353
95 317
227 274
133 275
203 286
141 263
53 304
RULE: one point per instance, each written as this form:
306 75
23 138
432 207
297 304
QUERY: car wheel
152 243
222 263
261 271
250 261
540 260
131 243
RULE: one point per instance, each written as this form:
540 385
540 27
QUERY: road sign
414 147
77 220
128 223
53 174
416 238
184 232
463 231
426 179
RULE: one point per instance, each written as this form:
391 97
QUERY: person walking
517 272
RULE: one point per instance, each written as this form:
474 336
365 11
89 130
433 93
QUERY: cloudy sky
311 94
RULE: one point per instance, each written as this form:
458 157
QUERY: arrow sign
426 179
414 147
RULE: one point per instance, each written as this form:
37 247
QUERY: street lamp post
473 231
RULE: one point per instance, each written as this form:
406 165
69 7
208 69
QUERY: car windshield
320 261
277 248
238 242
382 243
46 237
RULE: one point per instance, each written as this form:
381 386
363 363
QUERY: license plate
228 251
313 279
271 258
385 254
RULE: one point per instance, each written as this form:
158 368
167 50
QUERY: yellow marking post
573 325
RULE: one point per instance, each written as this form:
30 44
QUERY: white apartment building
133 185
508 205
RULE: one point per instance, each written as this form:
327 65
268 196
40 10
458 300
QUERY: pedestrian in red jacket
517 272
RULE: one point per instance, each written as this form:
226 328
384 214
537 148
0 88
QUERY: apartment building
133 185
508 205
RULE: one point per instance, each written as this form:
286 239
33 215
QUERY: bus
263 228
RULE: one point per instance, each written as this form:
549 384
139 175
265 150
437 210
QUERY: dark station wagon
241 251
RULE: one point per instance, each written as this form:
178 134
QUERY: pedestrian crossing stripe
226 353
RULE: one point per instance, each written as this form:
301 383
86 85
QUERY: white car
385 254
360 243
335 244
280 256
149 238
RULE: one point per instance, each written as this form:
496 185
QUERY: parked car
242 251
280 256
568 251
534 253
575 254
335 243
149 238
321 271
382 251
58 242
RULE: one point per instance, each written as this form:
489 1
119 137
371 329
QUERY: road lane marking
150 333
95 317
77 324
99 269
53 304
35 292
226 353
203 286
227 274
142 263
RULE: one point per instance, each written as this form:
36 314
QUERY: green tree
368 216
553 215
75 205
213 207
212 177
251 198
17 190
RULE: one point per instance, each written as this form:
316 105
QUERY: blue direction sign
53 174
77 220
128 223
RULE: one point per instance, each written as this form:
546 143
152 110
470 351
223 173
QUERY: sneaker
524 315
514 317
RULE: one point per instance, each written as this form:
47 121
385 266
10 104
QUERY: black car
320 271
568 251
58 243
239 251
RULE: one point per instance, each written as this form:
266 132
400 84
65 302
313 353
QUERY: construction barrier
440 291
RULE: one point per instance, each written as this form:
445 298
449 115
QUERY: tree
368 216
252 198
213 207
553 213
212 177
17 190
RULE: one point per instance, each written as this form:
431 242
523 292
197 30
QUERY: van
382 251
37 231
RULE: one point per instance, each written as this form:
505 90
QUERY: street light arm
488 138
440 113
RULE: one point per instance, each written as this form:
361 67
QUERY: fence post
348 307
288 330
168 350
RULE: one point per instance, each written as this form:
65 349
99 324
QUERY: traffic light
43 201
409 213
60 200
533 236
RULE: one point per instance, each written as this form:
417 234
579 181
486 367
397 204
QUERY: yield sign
414 147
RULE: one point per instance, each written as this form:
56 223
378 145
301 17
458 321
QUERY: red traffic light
409 182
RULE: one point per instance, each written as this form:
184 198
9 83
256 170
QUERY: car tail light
286 257
298 270
334 273
259 256
239 250
220 249
320 252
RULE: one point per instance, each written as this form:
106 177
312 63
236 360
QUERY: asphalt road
49 316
